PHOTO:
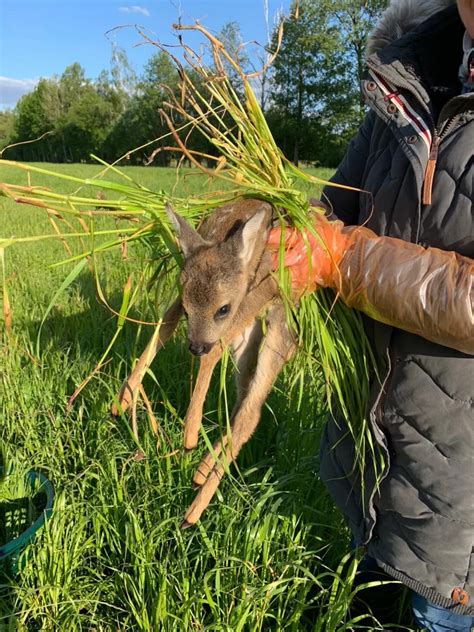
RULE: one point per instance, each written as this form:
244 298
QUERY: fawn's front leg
277 348
255 302
245 352
160 336
192 422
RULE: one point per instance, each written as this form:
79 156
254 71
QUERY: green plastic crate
21 519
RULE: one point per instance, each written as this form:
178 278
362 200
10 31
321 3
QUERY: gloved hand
311 258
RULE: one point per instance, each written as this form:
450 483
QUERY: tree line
310 95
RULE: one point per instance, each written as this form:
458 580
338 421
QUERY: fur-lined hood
399 18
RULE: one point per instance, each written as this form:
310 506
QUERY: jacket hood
401 17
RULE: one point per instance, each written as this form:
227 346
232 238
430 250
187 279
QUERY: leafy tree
355 19
115 96
141 122
32 119
87 113
297 76
124 76
316 97
77 113
71 84
7 121
86 124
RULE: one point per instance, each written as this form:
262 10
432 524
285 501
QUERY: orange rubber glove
312 260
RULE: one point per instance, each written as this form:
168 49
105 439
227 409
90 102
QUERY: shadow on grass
89 327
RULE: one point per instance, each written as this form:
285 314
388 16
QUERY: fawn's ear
189 239
253 230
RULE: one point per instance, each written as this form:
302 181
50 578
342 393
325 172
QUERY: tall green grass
266 555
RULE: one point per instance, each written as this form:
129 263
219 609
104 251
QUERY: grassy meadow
266 554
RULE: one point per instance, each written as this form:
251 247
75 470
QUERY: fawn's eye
223 311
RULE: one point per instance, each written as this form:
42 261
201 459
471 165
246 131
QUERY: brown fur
226 264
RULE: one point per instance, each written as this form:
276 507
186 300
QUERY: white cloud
135 9
12 89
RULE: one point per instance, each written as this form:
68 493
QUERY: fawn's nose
200 348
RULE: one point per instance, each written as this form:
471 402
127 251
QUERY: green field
264 556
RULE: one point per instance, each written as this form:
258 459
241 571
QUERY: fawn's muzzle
200 348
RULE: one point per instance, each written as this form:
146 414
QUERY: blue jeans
382 600
437 619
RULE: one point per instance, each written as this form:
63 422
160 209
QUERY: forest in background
310 95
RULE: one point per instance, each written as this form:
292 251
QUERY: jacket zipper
430 169
433 159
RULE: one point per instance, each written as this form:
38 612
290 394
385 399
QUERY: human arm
426 291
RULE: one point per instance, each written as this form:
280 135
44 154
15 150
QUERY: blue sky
39 38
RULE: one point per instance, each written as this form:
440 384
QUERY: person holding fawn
402 252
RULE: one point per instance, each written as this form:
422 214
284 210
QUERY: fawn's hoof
185 525
200 477
190 444
120 406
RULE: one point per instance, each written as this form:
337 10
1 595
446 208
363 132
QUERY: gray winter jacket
419 523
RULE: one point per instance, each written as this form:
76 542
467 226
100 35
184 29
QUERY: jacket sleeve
343 202
428 292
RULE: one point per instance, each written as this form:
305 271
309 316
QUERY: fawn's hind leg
245 351
277 347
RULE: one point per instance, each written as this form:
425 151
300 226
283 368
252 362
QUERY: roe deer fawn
227 288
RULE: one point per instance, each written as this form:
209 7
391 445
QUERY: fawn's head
216 274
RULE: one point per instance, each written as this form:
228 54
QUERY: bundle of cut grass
248 164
